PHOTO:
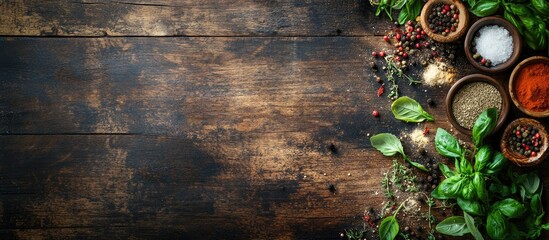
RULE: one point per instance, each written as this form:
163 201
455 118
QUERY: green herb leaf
545 226
518 9
510 207
447 145
541 5
453 226
484 125
470 221
465 166
509 16
403 17
387 143
449 188
468 190
485 8
480 186
398 4
471 207
417 165
388 229
497 163
407 109
482 158
446 171
496 225
530 182
535 205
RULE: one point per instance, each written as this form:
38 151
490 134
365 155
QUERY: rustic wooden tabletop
189 119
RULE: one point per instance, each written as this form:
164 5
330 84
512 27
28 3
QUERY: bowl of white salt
492 44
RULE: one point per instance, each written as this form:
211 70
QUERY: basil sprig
407 109
389 145
506 204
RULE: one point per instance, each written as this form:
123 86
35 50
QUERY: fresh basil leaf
398 4
388 144
497 163
511 208
447 145
496 225
472 3
388 229
415 9
470 221
480 186
541 5
518 9
465 166
471 207
545 226
407 109
449 188
417 165
468 190
446 171
484 125
453 226
485 8
482 158
535 205
528 21
531 183
402 17
509 16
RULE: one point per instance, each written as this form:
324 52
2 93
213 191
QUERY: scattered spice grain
472 99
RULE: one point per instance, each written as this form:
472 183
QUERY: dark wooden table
194 119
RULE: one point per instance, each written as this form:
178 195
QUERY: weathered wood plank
194 86
147 187
188 18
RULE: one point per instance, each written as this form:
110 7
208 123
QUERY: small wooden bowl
516 158
452 36
471 79
517 43
514 75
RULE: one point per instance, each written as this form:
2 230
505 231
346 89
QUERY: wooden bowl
452 36
517 43
512 87
516 158
471 79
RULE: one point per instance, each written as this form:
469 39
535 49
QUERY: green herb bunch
495 200
409 9
530 17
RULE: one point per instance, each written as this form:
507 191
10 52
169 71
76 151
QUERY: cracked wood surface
194 137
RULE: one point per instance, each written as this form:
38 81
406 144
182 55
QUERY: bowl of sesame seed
470 96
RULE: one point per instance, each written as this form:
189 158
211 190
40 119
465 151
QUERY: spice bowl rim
514 75
520 160
493 20
470 79
462 25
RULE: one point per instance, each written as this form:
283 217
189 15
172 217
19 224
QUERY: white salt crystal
494 43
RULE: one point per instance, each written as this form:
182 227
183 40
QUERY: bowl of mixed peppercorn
444 20
525 142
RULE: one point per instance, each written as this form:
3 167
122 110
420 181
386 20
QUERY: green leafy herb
484 125
447 145
509 203
409 9
485 8
409 110
392 70
389 145
470 221
388 229
453 226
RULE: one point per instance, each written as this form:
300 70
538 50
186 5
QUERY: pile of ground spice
438 73
532 87
472 99
418 137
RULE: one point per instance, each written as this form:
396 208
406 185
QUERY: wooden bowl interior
470 79
516 158
452 36
514 75
517 43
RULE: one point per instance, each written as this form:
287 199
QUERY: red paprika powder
532 87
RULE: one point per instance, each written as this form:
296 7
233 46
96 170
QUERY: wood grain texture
188 18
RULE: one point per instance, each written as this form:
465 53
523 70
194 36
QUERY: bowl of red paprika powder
529 86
